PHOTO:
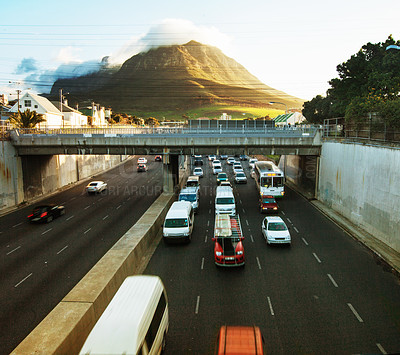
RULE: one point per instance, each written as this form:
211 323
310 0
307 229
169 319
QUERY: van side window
155 323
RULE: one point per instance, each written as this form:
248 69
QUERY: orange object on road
237 340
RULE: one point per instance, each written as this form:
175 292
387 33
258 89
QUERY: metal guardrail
371 130
295 131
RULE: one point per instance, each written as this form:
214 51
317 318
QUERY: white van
192 195
135 322
225 200
178 223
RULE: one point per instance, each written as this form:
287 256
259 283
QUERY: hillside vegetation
176 78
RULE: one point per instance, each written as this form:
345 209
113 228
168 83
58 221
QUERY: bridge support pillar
170 172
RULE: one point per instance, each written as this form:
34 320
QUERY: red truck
228 239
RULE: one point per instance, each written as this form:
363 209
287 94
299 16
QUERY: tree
26 119
151 121
372 72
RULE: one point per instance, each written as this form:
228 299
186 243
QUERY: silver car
198 172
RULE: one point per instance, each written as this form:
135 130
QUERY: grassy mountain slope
179 76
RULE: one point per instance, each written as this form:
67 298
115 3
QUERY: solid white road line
12 251
209 211
24 279
197 305
46 231
270 306
87 231
70 217
202 263
316 257
105 217
243 210
296 229
205 239
247 222
73 198
87 207
283 213
16 225
258 262
251 237
289 220
333 281
60 251
380 347
305 241
118 207
208 223
355 312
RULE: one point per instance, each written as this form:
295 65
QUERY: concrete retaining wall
66 328
11 187
28 177
362 182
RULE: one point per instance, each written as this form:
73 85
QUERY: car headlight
218 253
240 252
282 193
275 208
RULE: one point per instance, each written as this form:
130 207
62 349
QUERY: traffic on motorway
257 254
48 246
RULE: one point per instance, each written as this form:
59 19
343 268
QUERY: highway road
41 263
326 294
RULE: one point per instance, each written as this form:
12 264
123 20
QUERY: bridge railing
293 131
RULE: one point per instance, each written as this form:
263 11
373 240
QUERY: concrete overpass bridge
249 139
181 141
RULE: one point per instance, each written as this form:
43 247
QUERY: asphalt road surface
41 263
326 294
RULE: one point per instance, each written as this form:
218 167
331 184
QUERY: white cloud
170 32
69 55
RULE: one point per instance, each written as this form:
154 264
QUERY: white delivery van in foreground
135 322
178 223
225 200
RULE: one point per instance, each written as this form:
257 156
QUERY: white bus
269 179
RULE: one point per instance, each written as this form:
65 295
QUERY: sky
292 46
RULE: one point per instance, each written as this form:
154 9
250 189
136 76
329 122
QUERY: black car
243 157
46 213
198 161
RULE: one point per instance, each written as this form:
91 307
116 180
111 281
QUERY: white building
33 102
72 117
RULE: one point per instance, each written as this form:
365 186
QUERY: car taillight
44 214
30 215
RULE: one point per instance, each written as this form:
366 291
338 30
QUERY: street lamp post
281 103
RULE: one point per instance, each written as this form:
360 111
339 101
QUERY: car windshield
240 175
268 200
223 176
93 184
197 170
187 197
225 201
192 183
277 226
176 223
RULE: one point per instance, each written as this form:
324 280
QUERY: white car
217 169
252 162
142 160
216 162
96 187
212 157
230 160
240 178
237 168
225 183
275 231
198 172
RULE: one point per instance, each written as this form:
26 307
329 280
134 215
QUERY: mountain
177 76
